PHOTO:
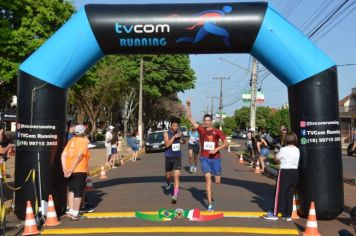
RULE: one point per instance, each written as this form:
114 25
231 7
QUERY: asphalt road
243 197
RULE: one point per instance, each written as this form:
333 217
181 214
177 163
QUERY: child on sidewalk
287 179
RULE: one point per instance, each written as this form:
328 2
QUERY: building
347 107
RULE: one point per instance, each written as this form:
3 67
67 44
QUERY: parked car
155 142
239 135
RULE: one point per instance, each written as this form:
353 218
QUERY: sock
176 190
70 211
75 213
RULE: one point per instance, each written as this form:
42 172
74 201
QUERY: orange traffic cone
52 219
89 186
241 158
312 225
102 173
258 170
294 212
30 222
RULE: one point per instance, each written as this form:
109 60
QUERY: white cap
111 127
79 129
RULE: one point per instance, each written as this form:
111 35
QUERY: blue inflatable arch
255 28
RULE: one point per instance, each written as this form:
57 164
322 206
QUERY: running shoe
78 217
87 209
191 169
194 169
168 186
174 199
270 216
287 219
211 207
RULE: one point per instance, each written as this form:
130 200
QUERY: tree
113 89
266 117
24 27
242 118
229 125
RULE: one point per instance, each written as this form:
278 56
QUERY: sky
338 42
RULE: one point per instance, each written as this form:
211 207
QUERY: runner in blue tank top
173 156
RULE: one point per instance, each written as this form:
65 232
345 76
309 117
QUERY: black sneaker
87 209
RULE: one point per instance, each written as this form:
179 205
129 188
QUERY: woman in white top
287 180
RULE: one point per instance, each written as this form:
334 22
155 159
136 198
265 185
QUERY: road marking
229 214
264 231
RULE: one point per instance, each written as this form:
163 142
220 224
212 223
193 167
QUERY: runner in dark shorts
173 157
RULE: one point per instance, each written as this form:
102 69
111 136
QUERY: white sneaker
194 169
90 145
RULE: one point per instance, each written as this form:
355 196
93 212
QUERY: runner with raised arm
210 150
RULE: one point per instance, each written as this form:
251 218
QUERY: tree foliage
113 86
229 124
24 26
266 117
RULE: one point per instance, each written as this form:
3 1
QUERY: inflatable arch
255 28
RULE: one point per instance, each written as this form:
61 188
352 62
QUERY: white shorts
108 149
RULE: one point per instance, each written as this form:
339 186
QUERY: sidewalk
97 159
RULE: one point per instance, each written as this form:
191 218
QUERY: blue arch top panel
67 55
286 52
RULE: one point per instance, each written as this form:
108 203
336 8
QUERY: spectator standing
6 147
210 151
262 150
70 131
114 152
108 137
251 146
75 158
132 142
119 147
287 180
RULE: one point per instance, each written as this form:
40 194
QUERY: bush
100 137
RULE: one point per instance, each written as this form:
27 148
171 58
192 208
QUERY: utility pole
220 102
253 95
212 104
140 128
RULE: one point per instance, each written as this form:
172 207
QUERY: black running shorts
173 163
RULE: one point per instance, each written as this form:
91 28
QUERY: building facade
348 118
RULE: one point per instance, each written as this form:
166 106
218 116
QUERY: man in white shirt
108 137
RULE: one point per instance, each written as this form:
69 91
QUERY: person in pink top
210 150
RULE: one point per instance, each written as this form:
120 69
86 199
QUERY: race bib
209 146
192 140
175 147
